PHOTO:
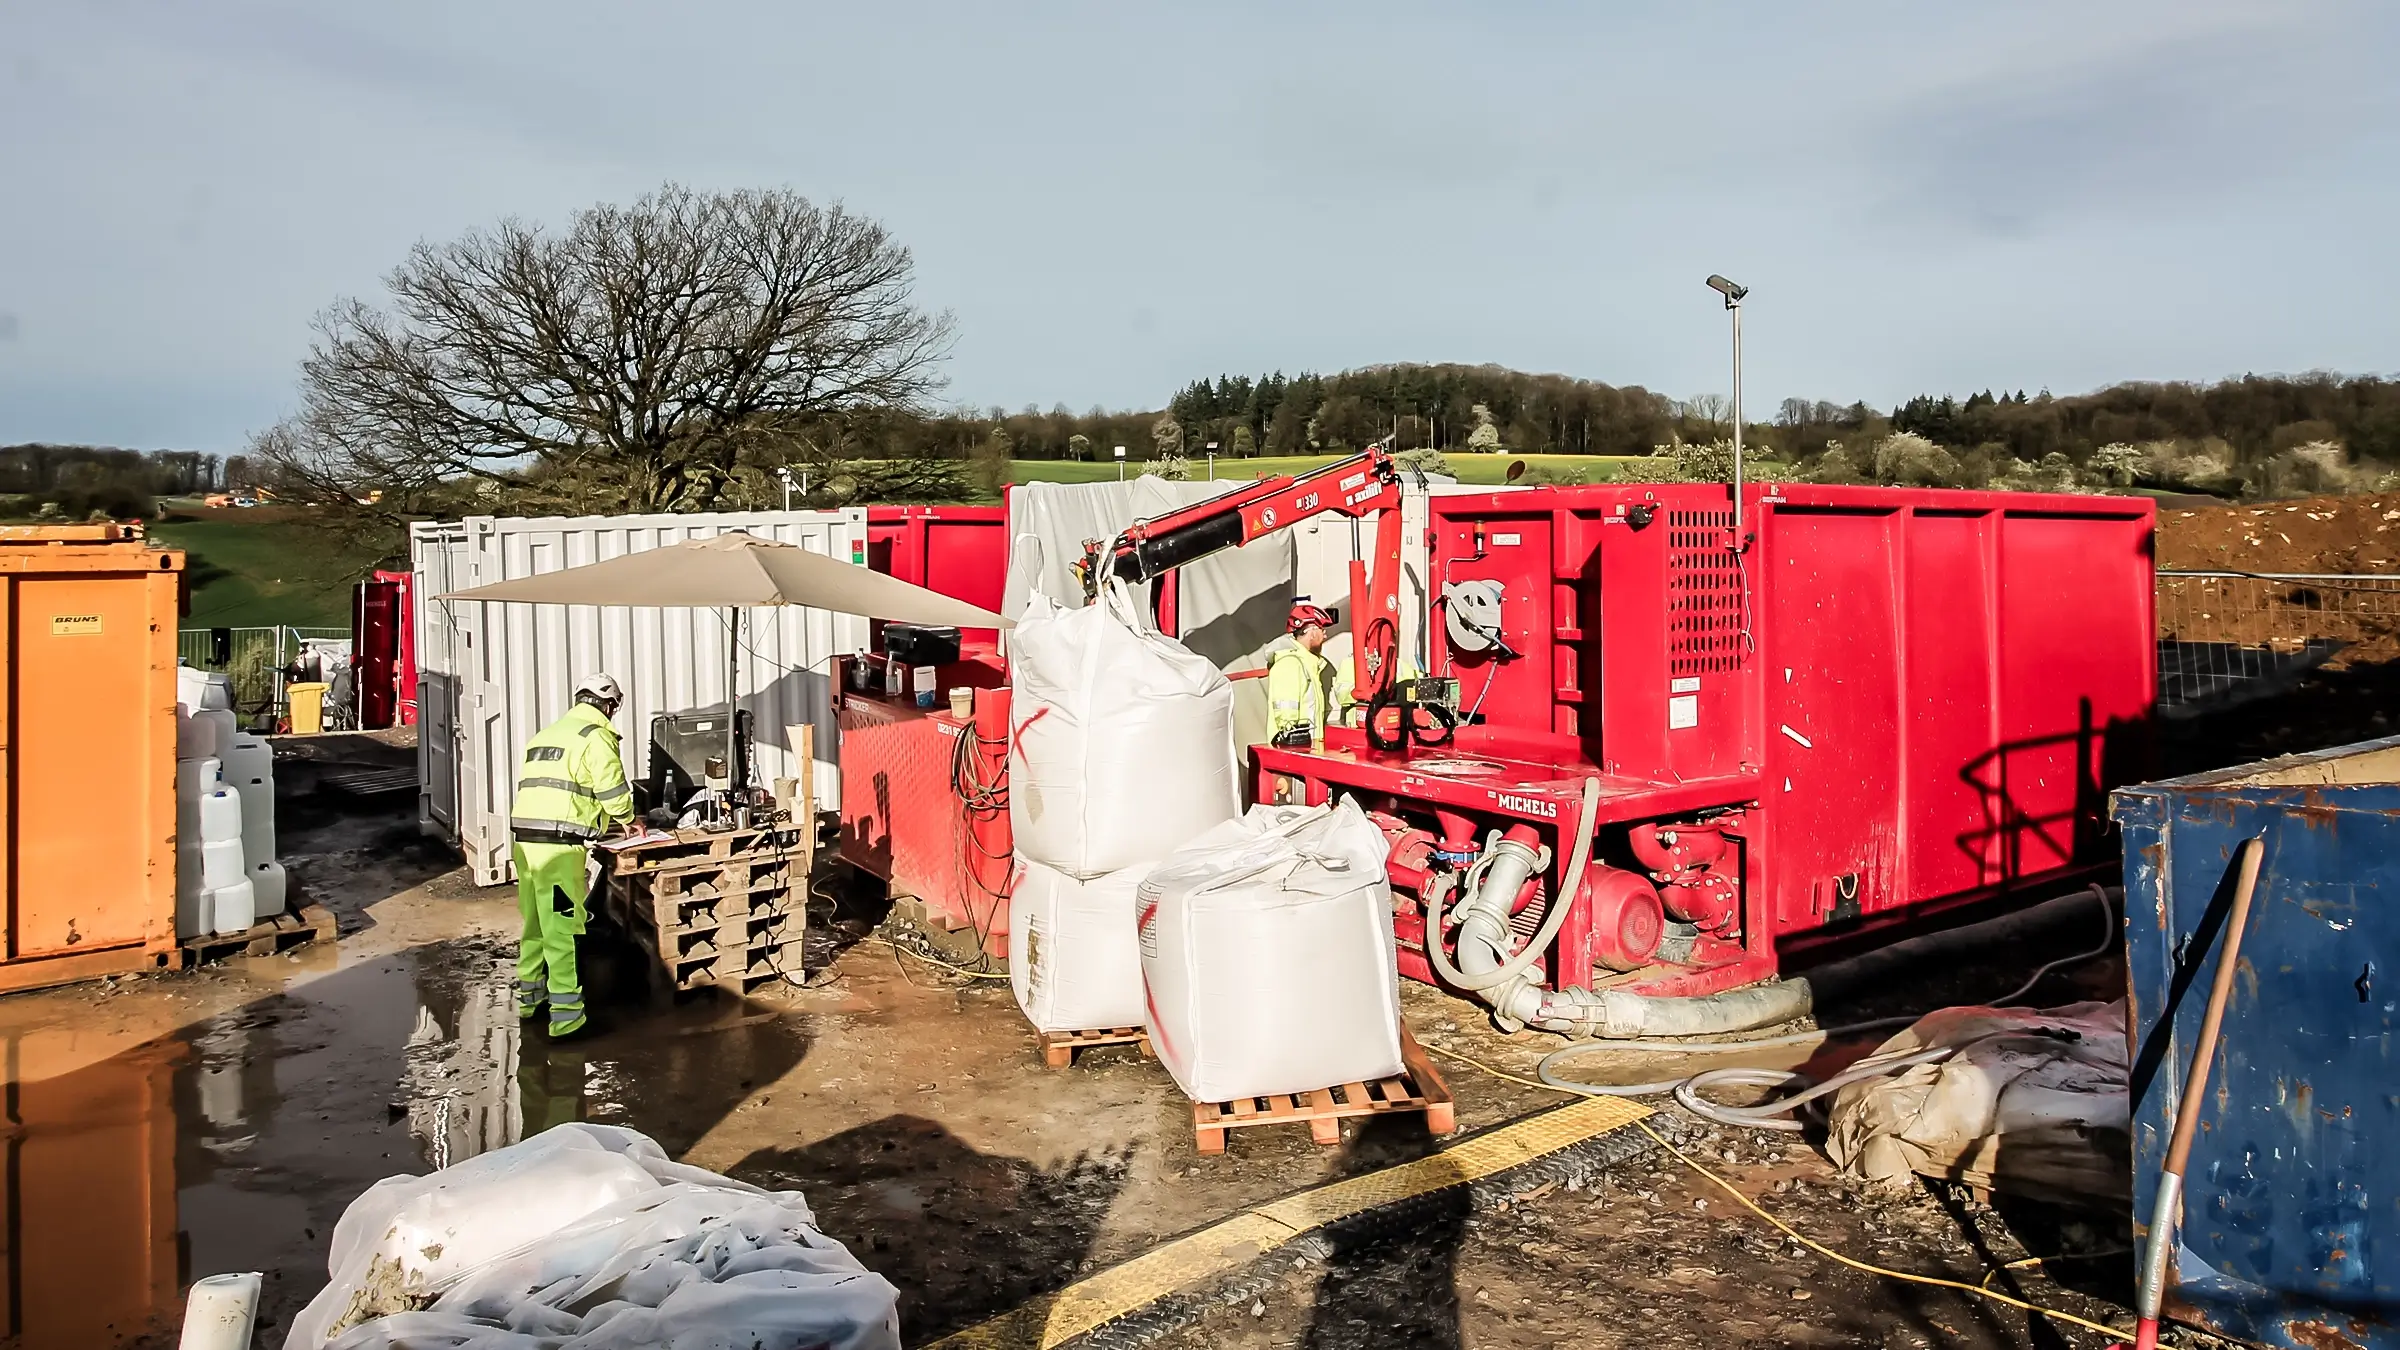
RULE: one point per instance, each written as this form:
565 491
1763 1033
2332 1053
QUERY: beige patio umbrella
735 571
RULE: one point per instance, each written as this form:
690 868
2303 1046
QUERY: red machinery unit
1882 703
925 806
923 802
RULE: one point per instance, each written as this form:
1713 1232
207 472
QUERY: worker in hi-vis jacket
1304 689
571 789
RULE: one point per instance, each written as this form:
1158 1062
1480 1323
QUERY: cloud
2190 121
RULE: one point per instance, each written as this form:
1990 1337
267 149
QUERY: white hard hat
602 686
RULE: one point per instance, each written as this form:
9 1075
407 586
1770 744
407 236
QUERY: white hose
1586 823
1766 1115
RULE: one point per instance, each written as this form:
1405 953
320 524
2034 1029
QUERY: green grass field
253 568
1481 470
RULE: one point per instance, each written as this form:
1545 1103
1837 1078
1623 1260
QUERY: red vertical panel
966 558
1951 829
1832 730
2076 679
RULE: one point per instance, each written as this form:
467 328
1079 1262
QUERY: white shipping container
492 674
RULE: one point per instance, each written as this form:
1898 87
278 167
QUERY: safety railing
2228 637
254 658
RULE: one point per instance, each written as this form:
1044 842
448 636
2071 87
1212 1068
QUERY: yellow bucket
308 706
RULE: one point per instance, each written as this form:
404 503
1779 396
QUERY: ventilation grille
1704 594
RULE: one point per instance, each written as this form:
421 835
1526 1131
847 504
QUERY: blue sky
1115 198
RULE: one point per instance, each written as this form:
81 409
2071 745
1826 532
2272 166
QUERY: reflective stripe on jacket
1303 690
571 783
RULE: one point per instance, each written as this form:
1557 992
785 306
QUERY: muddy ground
221 1119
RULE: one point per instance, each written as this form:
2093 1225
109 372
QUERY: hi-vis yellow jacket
571 786
1304 689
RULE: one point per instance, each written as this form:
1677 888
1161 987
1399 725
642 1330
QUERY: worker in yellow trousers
571 789
1304 689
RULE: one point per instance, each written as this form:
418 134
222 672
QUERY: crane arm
1365 482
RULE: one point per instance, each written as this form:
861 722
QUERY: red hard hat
1304 614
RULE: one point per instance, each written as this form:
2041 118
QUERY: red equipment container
1892 702
960 551
904 817
925 805
383 651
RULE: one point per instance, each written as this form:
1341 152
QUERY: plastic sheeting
1267 947
1072 961
1229 607
588 1237
1122 746
2032 1102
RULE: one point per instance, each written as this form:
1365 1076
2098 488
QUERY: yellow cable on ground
961 970
1796 1236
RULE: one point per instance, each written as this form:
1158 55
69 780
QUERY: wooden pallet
277 933
1418 1087
691 961
1059 1047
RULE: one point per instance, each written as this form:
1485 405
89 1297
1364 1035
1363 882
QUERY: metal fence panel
2228 637
253 657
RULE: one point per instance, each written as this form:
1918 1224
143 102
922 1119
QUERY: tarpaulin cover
588 1237
2033 1103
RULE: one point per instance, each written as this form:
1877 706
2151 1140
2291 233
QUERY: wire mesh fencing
253 658
2229 637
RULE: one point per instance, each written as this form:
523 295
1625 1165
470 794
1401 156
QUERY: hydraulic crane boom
1367 481
1364 482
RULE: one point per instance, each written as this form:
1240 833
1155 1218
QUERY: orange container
87 753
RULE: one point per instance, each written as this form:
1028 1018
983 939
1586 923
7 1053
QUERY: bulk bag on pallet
1267 948
1121 747
1071 954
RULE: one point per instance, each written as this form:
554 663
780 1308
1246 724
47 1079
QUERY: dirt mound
2346 535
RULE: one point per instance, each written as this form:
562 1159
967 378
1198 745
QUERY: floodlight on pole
1733 303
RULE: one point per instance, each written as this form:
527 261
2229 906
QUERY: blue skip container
2291 1202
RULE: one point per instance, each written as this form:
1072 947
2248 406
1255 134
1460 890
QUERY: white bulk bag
1267 947
1072 958
1122 747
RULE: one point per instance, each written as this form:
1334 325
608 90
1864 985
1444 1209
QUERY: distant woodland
2253 435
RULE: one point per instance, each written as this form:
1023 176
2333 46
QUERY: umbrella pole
733 705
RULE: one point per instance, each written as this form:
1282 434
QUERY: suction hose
1483 919
1614 1015
1845 975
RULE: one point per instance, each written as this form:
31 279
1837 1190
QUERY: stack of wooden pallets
717 908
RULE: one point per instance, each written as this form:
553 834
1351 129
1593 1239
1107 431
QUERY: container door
81 873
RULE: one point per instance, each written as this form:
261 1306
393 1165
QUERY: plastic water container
221 816
216 690
232 909
192 916
250 771
222 728
221 864
270 888
195 737
196 778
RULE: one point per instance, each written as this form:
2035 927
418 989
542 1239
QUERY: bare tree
1708 409
645 354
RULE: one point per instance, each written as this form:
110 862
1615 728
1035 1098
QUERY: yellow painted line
1055 1318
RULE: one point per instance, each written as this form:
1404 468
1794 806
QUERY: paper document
633 840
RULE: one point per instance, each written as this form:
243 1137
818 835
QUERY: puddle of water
235 1143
